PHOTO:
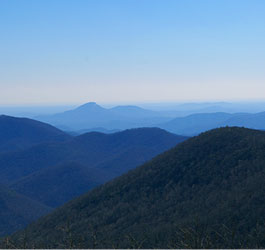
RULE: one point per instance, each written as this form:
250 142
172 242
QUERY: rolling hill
207 192
16 211
58 184
21 133
85 161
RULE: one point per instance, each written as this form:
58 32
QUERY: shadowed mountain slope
58 184
216 177
89 149
97 158
16 211
20 133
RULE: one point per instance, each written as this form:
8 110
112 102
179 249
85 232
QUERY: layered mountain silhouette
98 129
21 133
16 210
91 115
209 181
44 172
197 123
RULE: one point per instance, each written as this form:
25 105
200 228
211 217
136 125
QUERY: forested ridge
206 192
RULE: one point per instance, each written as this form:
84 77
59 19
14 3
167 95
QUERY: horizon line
165 102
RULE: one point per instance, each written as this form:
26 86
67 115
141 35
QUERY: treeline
195 236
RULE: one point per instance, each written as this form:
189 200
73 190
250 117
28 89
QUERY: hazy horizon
117 103
182 108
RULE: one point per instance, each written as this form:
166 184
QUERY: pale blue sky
74 51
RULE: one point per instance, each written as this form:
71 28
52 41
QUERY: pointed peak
89 105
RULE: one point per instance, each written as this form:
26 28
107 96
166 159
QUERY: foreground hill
211 180
45 171
16 211
20 133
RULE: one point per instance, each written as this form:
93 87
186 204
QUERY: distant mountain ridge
92 115
197 123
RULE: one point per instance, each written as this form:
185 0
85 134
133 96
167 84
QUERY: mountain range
197 123
61 167
166 109
93 158
21 133
207 192
92 117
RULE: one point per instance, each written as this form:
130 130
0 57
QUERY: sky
111 51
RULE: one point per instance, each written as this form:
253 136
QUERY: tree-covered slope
16 211
20 133
215 179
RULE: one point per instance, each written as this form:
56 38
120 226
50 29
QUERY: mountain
185 109
197 123
101 130
83 117
256 121
207 192
130 111
16 211
165 109
58 184
91 115
41 170
21 133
